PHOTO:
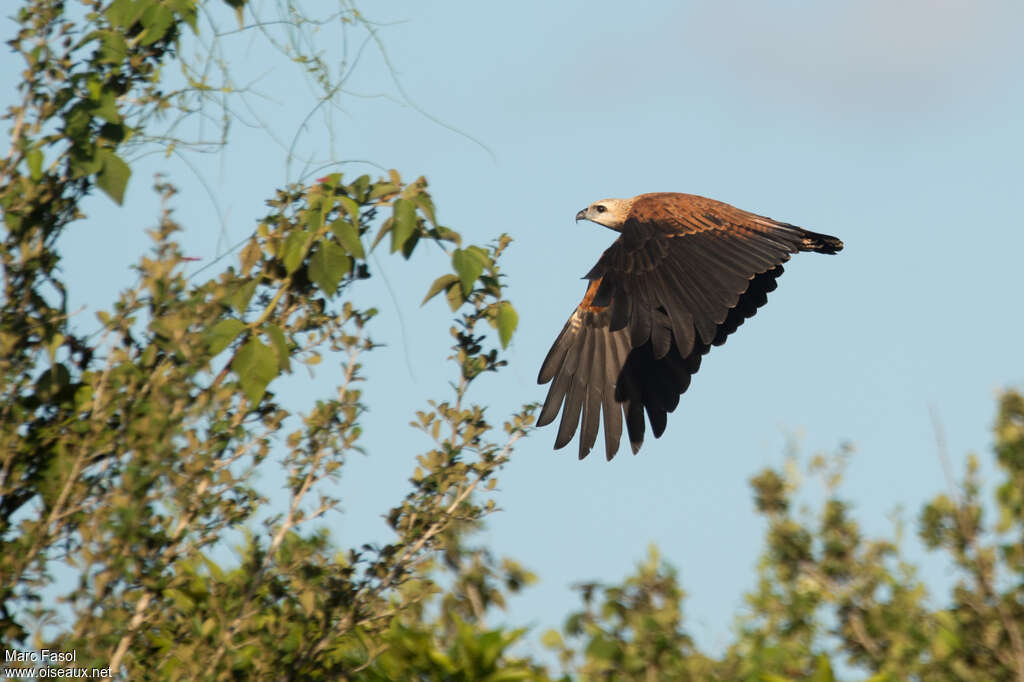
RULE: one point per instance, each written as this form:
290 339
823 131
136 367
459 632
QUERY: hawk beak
582 215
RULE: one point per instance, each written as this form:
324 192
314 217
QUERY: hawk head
611 213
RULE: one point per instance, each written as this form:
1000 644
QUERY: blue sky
896 126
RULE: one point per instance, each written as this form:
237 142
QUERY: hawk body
684 274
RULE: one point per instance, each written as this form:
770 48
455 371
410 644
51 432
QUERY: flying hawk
685 272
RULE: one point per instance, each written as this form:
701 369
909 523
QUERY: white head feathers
611 213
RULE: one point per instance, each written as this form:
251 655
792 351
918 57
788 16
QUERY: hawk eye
600 209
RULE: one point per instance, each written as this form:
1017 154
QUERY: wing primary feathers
726 283
613 350
619 310
593 373
556 356
680 314
640 330
699 297
661 334
718 268
572 354
658 418
753 298
668 389
577 390
554 399
635 424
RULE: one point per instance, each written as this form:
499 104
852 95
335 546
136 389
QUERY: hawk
683 275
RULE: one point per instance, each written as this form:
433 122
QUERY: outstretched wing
683 275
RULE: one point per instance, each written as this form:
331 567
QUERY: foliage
129 453
129 447
634 630
827 598
65 137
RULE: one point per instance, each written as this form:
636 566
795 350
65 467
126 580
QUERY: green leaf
185 9
157 19
440 284
123 13
447 234
35 163
256 366
182 601
223 333
249 255
351 207
208 626
328 265
308 600
382 189
426 204
468 266
313 219
348 235
330 180
384 229
239 300
517 674
277 338
114 132
359 187
113 48
53 382
295 246
404 223
104 106
113 175
320 204
602 649
76 127
83 397
551 639
455 298
410 245
507 321
822 670
85 161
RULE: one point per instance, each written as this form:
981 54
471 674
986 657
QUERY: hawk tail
822 243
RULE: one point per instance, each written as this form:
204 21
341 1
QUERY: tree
827 598
129 452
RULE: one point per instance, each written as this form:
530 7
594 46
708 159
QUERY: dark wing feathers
753 298
683 275
584 363
592 401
